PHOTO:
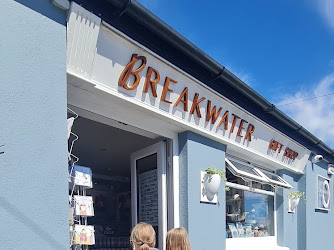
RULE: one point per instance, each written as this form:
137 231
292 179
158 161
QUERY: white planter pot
293 203
211 185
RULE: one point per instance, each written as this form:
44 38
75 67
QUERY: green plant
213 170
297 194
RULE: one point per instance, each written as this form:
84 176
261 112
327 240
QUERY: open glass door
148 189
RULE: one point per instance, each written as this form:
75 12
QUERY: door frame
158 148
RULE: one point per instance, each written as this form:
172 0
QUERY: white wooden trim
176 181
159 149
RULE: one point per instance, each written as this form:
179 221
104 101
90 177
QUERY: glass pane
147 192
234 179
266 187
249 214
271 176
243 167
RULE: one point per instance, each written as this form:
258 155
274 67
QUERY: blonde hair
143 236
177 239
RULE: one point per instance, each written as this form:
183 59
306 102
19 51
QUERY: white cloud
246 78
316 115
243 76
326 8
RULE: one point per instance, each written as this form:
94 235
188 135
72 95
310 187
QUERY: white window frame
243 174
262 175
281 183
317 194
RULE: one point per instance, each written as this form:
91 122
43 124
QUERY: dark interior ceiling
106 149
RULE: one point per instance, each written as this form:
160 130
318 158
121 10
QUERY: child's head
177 239
143 236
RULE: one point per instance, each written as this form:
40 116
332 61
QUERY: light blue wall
205 222
320 225
289 225
308 228
33 168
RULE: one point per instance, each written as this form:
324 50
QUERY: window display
249 201
251 214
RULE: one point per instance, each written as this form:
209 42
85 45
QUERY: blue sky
281 48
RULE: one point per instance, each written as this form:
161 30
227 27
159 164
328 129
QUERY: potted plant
212 181
294 198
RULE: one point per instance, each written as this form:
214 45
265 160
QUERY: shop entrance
128 180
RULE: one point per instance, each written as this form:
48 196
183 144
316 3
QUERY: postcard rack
80 205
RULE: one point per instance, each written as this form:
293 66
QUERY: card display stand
81 206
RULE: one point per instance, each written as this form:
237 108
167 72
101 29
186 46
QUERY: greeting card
84 235
83 205
82 176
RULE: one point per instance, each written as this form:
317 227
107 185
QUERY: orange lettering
195 105
184 94
127 71
234 122
250 131
241 127
166 89
273 145
280 147
224 120
212 114
148 81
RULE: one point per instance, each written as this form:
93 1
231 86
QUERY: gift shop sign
128 71
237 125
277 147
212 112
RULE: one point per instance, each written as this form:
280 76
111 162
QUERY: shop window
275 180
250 199
244 170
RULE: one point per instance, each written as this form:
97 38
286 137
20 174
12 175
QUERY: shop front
147 114
117 83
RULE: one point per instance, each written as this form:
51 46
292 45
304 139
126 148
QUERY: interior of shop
106 150
249 213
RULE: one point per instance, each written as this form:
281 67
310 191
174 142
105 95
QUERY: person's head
177 239
143 236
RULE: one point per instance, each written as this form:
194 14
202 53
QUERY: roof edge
134 10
